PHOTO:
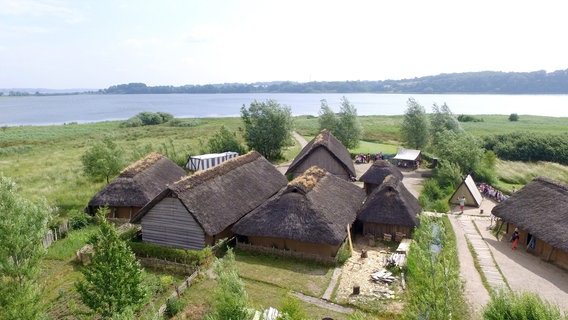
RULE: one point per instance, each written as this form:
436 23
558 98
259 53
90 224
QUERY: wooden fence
55 234
178 291
288 253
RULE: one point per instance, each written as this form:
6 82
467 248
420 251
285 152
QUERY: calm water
45 110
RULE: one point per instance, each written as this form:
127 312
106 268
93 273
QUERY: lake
48 110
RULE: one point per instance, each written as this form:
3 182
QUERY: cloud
59 10
202 33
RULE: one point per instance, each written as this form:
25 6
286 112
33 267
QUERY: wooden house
199 209
308 218
408 158
389 209
136 185
326 152
540 211
377 173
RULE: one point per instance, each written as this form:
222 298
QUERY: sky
63 44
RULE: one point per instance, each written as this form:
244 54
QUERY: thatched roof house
136 185
377 173
308 217
200 209
326 152
391 208
540 211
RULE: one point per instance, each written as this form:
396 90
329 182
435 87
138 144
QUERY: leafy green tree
462 149
326 117
415 125
349 130
292 309
113 281
514 117
267 127
230 297
223 141
442 119
103 160
345 126
23 225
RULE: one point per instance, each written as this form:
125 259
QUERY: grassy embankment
45 162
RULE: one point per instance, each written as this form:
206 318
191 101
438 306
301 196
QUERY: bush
441 205
174 306
79 220
184 123
343 254
132 122
514 117
514 305
190 257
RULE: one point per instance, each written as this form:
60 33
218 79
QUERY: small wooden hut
308 218
326 152
540 211
469 190
408 158
200 209
136 185
390 209
377 173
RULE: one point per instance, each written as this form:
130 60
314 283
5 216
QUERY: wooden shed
377 173
408 158
389 209
136 185
206 161
326 152
540 211
307 218
200 209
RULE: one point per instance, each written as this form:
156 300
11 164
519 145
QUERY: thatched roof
335 148
139 183
220 196
391 203
315 207
380 169
539 208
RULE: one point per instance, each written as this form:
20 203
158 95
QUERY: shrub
514 305
79 220
190 257
343 254
292 309
174 306
184 123
514 117
132 122
441 205
432 189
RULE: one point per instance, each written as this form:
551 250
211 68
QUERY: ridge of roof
141 165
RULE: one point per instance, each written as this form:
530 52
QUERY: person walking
462 203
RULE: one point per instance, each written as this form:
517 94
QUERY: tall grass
516 173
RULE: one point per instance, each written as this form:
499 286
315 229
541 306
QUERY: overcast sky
95 44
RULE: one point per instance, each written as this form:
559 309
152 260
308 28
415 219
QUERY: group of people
491 192
366 158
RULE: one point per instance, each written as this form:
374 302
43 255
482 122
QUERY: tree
349 129
103 160
462 149
113 281
230 297
23 225
414 128
514 117
326 117
267 127
223 141
345 127
443 119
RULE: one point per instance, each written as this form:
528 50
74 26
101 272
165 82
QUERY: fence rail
178 291
55 234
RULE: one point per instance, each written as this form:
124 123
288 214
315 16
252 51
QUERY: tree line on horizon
492 82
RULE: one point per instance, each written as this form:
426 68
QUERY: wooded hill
492 82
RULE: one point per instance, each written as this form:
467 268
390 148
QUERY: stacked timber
382 276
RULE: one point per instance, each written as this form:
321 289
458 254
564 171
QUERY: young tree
103 160
113 281
230 297
415 125
223 141
443 119
23 225
349 129
345 127
267 127
326 117
462 149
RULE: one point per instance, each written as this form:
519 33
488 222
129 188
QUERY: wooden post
550 255
349 237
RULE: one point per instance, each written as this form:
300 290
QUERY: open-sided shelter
206 161
136 185
407 158
389 209
326 152
199 209
377 173
540 211
470 191
308 218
